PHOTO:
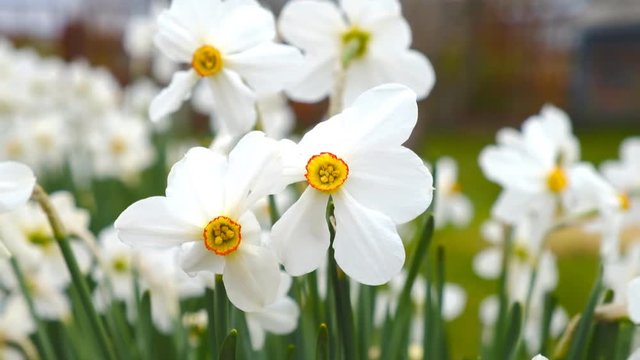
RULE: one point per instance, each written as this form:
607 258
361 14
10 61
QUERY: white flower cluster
54 114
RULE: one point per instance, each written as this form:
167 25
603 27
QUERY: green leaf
228 350
513 332
581 336
549 307
322 344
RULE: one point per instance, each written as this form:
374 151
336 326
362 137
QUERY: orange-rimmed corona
207 61
222 235
557 180
326 172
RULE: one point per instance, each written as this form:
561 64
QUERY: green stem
83 290
209 298
43 342
340 284
221 313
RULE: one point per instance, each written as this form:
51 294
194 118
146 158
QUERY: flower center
326 172
625 201
222 235
207 61
39 238
456 188
355 42
120 264
118 146
557 180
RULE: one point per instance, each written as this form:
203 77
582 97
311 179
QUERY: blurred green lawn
577 271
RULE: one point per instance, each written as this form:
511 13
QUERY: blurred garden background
496 61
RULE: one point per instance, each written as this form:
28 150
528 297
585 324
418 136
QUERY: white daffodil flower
451 205
207 212
229 44
16 185
373 32
357 159
280 317
536 167
114 275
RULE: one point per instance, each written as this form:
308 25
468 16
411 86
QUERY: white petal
301 236
315 80
513 169
245 26
268 67
171 97
173 39
539 357
281 317
257 334
251 277
390 35
194 258
633 296
382 116
512 205
391 181
255 171
234 102
16 185
195 186
487 263
149 222
370 12
312 25
367 245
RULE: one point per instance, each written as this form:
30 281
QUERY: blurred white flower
16 325
373 31
138 96
358 160
230 46
27 234
280 317
121 146
537 169
207 212
633 298
114 273
451 205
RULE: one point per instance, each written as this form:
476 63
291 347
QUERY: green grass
576 271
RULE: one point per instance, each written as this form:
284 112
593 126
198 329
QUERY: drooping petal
633 300
195 185
16 185
150 222
367 245
301 236
251 277
281 317
382 116
245 26
267 67
255 171
315 80
194 258
171 97
391 181
312 25
257 334
234 102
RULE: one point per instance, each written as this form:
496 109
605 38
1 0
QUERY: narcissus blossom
373 33
451 206
357 159
229 44
207 213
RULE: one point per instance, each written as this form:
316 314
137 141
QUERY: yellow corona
326 172
557 180
207 61
222 235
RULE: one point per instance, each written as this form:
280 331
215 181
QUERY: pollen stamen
222 235
326 172
557 180
207 61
